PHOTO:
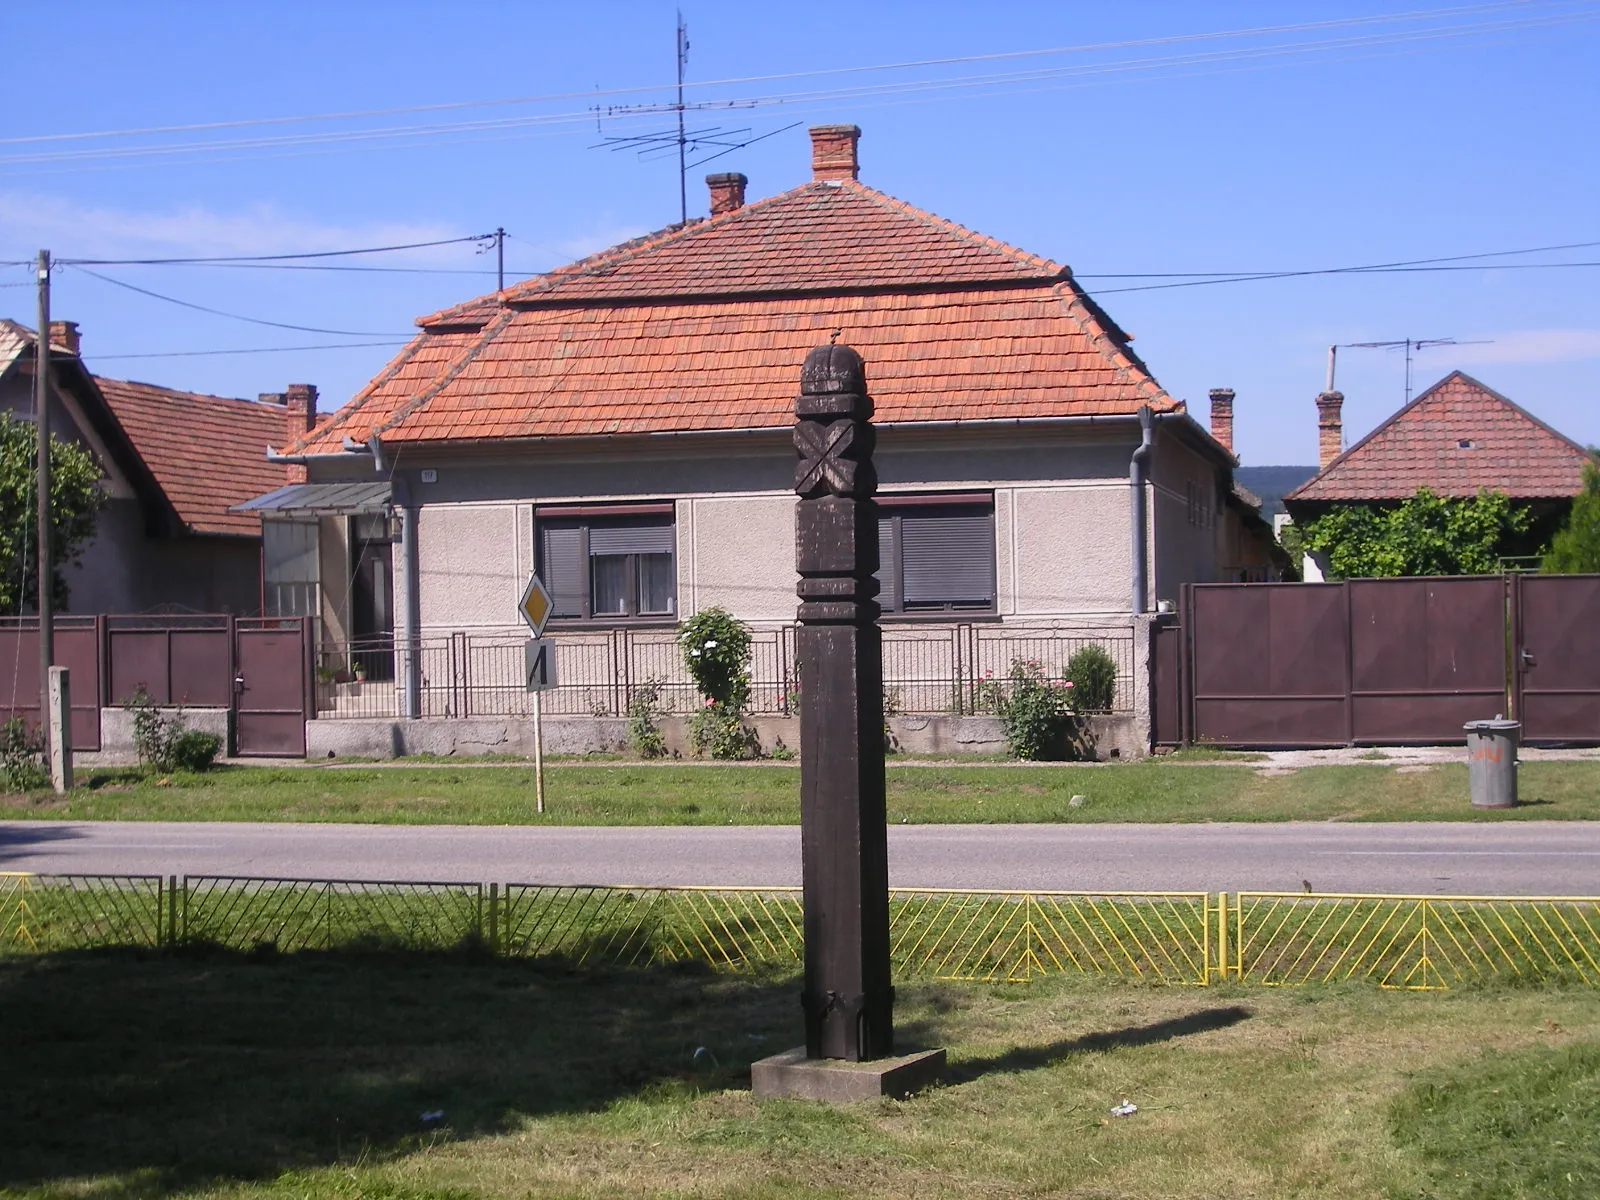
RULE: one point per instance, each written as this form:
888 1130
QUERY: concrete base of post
794 1076
60 723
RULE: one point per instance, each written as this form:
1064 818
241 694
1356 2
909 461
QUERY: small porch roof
321 499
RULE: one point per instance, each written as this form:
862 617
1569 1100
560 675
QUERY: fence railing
927 669
1195 938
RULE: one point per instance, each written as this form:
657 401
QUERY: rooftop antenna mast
1410 345
684 139
683 170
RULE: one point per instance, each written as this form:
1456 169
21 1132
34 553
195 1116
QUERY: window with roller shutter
609 563
936 554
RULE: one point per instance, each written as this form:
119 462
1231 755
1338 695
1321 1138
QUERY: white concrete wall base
116 734
1115 737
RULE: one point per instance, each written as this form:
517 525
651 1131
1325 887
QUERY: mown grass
220 1075
621 794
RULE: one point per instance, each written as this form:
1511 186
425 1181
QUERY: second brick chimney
65 335
1222 416
300 403
833 152
727 192
1330 427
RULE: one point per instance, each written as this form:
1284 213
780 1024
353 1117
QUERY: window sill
941 616
590 624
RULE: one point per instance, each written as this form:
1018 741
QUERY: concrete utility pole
42 565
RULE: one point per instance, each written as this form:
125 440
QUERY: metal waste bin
1492 762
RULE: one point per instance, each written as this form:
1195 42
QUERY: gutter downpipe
410 554
1136 482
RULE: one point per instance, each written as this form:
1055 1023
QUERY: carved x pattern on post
823 467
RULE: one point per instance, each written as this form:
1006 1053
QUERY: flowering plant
716 650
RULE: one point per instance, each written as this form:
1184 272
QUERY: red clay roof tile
1508 450
702 327
208 453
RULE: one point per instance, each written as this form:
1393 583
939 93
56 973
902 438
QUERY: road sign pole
538 754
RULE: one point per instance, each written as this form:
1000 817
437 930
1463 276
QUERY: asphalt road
1521 858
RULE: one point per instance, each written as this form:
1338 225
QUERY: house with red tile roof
621 426
1457 438
175 463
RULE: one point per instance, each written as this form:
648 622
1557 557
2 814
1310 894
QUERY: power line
264 258
858 92
1086 48
245 350
217 312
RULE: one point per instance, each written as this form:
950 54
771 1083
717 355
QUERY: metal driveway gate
1365 661
1557 621
271 687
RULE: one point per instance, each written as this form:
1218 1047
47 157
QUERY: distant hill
1270 483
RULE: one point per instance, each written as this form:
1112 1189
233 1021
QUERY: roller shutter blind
564 568
631 539
888 565
947 558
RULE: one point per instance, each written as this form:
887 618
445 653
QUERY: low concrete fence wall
1114 736
116 734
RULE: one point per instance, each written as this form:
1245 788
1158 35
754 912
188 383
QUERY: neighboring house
174 464
1456 439
622 425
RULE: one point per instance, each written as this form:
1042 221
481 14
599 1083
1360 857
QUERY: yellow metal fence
1196 938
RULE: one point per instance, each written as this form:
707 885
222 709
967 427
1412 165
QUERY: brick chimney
65 335
727 192
1222 416
1330 427
833 152
300 403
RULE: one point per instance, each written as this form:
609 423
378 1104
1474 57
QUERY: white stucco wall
1061 519
740 556
474 566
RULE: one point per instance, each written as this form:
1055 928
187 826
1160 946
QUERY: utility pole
500 258
42 565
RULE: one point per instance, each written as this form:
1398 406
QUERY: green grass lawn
132 1076
620 794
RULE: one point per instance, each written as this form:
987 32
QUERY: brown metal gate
1362 662
271 687
1557 621
76 642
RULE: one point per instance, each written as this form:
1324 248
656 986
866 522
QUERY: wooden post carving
848 1000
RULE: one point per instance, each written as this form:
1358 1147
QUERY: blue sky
1157 139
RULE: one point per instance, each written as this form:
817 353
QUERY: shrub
644 716
194 750
1036 713
22 757
1092 674
164 742
716 651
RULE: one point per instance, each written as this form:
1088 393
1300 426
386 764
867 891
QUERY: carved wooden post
848 1000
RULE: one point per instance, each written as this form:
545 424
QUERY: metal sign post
535 609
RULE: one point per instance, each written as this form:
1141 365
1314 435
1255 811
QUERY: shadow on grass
1031 1058
148 1072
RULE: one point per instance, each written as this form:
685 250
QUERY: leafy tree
1575 549
75 502
1425 535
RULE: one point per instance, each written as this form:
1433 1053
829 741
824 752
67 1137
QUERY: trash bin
1492 762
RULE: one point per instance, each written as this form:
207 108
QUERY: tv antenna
1410 345
686 141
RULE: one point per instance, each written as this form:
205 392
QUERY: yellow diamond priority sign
536 605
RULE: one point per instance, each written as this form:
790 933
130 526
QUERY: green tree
1575 549
75 502
1425 535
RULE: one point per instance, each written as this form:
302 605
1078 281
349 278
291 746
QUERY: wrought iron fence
927 669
